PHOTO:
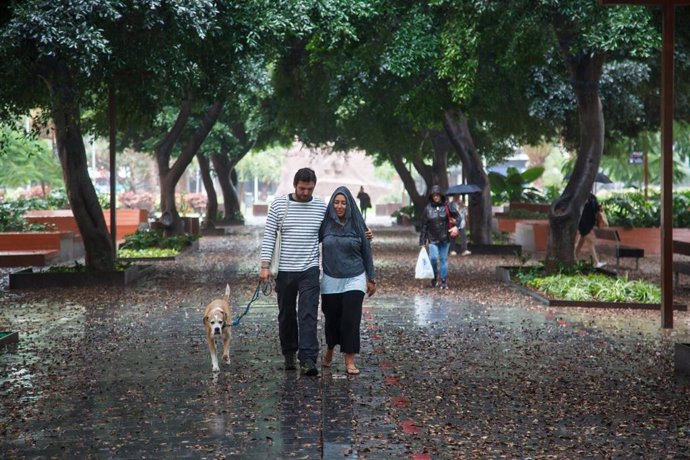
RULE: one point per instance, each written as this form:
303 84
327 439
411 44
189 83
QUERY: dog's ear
227 292
205 319
226 320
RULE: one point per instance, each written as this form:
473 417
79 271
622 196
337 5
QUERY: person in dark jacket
348 274
364 202
588 220
439 226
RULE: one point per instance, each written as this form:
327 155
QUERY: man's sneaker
443 284
465 253
309 368
600 264
433 282
453 253
290 363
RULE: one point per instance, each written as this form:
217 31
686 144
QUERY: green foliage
615 162
514 186
147 238
26 159
12 220
630 209
527 273
596 287
146 253
408 211
265 165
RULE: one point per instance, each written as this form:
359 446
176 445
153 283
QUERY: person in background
588 219
364 202
348 274
438 228
297 282
461 224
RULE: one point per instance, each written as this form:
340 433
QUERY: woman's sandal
327 358
352 370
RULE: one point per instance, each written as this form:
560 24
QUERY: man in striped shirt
297 283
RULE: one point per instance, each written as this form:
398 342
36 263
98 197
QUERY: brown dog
217 321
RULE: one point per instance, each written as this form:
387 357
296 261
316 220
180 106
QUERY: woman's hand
371 288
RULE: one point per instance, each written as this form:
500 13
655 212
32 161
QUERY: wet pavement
125 373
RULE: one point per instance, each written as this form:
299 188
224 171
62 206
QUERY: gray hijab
353 217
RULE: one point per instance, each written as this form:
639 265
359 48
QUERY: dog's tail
227 293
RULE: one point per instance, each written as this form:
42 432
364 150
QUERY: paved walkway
125 373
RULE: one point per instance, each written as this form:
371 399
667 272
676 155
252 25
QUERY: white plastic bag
423 271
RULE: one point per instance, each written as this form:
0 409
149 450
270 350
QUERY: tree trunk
169 176
224 167
66 113
212 202
458 132
439 165
419 201
585 72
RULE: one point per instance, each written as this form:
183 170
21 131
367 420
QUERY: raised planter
532 207
8 338
532 235
682 359
29 278
504 274
648 238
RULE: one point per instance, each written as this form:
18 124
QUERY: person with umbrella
461 223
438 228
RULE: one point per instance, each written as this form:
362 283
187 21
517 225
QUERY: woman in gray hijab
348 274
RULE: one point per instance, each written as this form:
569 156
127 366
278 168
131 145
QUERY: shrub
147 238
133 200
630 209
194 201
12 220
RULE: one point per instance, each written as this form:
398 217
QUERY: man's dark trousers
298 306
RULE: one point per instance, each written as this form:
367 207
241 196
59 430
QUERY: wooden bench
681 266
127 220
19 249
615 248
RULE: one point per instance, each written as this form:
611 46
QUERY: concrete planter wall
27 278
648 238
532 235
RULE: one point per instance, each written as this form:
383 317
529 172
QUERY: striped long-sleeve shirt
299 248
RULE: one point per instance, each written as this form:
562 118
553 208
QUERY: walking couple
348 272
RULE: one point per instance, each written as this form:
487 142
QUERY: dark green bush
12 220
632 210
147 238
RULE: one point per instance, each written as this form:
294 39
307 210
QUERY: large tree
74 50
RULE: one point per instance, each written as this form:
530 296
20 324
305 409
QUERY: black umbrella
600 178
603 178
463 189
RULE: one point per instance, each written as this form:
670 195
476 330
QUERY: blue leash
261 288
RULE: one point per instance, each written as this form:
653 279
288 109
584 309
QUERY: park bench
128 221
609 242
681 266
19 249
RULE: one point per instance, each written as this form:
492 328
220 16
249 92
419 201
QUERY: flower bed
596 289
